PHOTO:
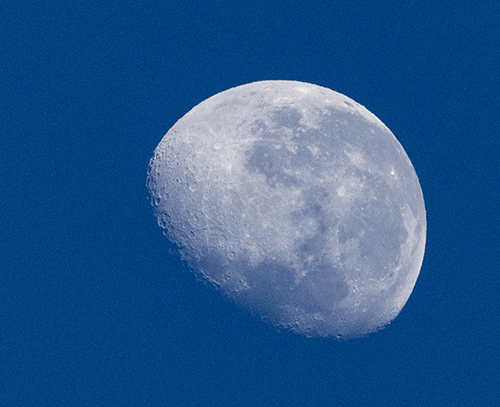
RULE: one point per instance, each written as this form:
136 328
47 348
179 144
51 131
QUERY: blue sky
95 310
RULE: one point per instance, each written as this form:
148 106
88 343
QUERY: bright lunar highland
295 201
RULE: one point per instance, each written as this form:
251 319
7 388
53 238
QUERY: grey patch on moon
296 202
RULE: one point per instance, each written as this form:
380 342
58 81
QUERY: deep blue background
95 311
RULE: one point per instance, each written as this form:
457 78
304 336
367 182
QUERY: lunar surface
295 201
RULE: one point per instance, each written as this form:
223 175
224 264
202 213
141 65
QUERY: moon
296 202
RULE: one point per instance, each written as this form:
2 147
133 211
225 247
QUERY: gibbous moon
295 201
